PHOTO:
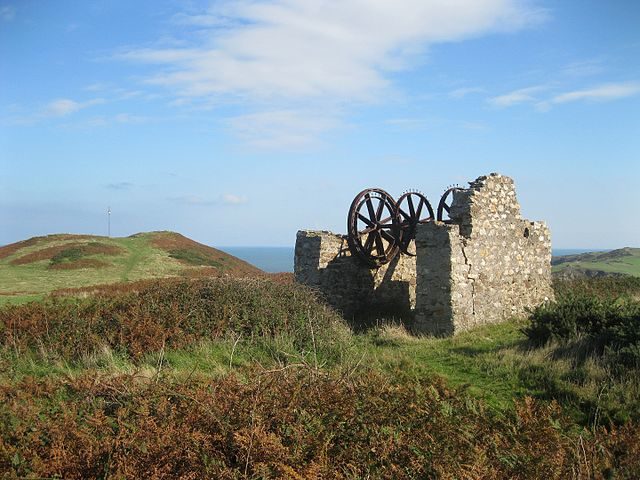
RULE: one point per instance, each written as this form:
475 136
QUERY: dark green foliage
67 255
604 324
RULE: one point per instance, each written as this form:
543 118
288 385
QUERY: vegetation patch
194 257
68 252
8 250
193 253
602 326
79 264
152 316
626 287
624 261
292 424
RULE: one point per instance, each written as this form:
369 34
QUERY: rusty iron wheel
413 209
370 227
444 206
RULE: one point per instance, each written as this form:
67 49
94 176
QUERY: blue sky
238 123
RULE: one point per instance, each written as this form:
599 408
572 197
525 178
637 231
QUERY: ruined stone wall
488 265
323 261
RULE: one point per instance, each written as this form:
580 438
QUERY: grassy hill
624 261
39 265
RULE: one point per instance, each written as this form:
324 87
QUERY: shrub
146 317
604 325
67 255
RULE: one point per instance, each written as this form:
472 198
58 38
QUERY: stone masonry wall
485 266
323 261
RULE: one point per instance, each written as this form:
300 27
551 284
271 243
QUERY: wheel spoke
372 212
387 236
380 209
404 214
412 210
366 231
365 220
385 221
379 244
446 207
419 210
369 242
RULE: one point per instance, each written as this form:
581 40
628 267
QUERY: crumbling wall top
490 199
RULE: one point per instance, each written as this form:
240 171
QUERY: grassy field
248 378
624 261
37 266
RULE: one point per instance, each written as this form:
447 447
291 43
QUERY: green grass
623 261
470 359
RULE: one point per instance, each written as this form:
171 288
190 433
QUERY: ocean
269 259
280 259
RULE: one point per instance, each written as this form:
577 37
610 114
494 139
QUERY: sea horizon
280 259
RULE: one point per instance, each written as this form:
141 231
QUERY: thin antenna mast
108 221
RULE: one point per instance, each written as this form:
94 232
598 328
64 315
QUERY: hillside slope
623 261
33 267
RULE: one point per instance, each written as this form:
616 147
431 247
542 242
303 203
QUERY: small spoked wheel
413 209
444 206
370 227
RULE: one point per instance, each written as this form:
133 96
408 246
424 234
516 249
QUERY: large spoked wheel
444 206
370 227
413 209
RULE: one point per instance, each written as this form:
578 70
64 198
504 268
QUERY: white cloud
477 126
523 95
195 200
97 87
463 92
282 129
64 106
584 68
231 199
120 186
128 118
228 199
312 48
414 122
61 107
271 56
601 93
7 13
609 91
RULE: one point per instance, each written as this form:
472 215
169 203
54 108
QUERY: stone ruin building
485 265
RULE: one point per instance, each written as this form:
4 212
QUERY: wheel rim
370 227
413 209
444 206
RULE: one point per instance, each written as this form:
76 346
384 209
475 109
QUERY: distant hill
624 261
39 265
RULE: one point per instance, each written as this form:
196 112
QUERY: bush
137 319
606 325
